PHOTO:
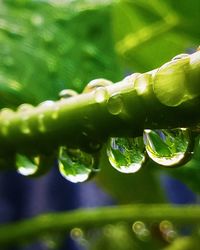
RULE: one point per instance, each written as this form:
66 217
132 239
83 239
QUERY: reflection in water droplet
66 93
100 95
126 154
97 83
115 104
26 165
75 165
41 125
167 147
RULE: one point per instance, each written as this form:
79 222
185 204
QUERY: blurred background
50 45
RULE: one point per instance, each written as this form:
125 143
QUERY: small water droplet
167 147
115 104
24 107
47 103
66 93
100 94
41 125
180 56
126 154
97 83
75 165
26 165
140 229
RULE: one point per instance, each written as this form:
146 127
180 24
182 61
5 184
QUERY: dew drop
26 165
115 104
180 56
24 107
167 147
100 95
97 83
47 104
66 93
127 155
75 165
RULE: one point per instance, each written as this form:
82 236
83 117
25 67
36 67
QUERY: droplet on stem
75 165
115 104
26 165
127 155
97 83
66 93
167 147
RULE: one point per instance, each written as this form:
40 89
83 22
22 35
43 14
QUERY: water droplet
47 103
101 94
41 125
26 165
24 107
167 147
94 84
115 104
126 154
139 228
75 165
180 56
66 93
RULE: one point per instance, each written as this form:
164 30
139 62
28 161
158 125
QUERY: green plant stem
165 97
90 218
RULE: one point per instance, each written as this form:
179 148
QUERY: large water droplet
126 154
115 104
27 165
167 147
97 83
75 165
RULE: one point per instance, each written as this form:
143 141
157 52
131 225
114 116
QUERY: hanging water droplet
75 165
101 94
26 165
115 104
97 83
126 154
167 147
66 93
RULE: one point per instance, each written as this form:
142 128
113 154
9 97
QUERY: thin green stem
62 222
165 97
